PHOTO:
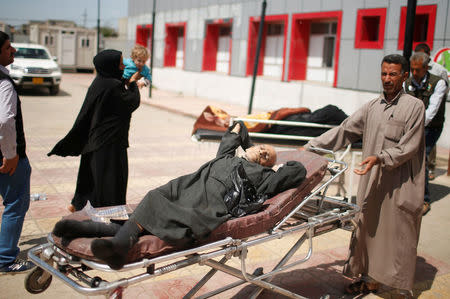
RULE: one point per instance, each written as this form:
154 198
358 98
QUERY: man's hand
9 165
369 162
237 128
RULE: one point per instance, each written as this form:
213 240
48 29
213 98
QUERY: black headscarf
107 64
105 115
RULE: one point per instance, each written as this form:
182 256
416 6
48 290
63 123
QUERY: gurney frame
315 215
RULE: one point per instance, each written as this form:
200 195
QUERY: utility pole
409 28
84 17
151 49
258 49
98 26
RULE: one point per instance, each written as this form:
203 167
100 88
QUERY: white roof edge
28 45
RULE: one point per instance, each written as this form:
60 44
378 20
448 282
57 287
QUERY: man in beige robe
383 247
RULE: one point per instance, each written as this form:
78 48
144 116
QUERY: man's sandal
361 287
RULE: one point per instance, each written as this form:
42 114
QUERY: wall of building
358 69
120 43
353 63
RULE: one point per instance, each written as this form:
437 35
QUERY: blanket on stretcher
215 119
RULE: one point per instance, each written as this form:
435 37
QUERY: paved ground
161 149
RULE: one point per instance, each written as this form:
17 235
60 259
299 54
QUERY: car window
31 53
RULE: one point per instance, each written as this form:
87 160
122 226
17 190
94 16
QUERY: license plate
37 80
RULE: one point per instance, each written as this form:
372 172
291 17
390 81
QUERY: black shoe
115 251
18 266
106 251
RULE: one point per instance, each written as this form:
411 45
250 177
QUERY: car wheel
54 90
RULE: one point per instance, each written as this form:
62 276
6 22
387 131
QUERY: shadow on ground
438 192
28 242
41 91
327 281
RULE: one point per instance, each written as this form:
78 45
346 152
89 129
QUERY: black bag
242 198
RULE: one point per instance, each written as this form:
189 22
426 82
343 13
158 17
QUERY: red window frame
363 28
300 32
253 41
144 34
210 44
430 11
170 48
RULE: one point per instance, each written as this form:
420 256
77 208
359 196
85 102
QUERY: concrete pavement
161 149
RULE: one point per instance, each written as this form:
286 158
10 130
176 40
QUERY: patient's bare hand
237 128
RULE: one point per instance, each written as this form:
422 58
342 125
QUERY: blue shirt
130 69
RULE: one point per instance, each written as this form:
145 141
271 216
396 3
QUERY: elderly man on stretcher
188 208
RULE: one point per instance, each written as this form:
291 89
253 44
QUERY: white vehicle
34 66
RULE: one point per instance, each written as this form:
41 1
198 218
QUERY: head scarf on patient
107 64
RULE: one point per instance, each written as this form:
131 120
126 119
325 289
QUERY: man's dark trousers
431 138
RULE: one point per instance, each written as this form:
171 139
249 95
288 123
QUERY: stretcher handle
322 150
280 122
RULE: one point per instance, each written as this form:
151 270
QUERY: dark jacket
20 135
424 93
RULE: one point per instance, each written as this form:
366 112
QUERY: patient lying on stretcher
189 207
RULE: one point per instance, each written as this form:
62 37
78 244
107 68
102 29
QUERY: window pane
333 28
224 30
370 28
328 49
320 28
31 53
275 29
420 28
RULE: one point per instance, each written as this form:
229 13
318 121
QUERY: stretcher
304 212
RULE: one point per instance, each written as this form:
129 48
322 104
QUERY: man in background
432 90
440 71
15 169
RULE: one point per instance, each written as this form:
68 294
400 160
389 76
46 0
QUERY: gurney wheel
33 283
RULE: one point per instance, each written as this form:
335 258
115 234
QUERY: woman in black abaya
100 135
